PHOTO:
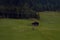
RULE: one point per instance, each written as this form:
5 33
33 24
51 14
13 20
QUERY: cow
34 25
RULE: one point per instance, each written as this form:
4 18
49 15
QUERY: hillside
21 29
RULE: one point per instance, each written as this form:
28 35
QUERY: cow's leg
33 28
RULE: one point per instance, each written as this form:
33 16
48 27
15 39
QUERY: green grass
20 29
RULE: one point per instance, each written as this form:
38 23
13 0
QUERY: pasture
21 29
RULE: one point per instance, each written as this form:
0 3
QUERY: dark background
13 8
38 5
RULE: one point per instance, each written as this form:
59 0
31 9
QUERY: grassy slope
49 29
50 21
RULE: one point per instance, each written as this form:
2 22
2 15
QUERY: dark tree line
37 5
23 12
26 8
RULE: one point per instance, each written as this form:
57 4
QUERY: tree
29 12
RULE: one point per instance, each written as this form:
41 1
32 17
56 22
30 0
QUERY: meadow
21 29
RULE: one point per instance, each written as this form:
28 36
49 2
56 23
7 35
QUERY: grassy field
20 29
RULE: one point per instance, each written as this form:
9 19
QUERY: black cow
35 24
